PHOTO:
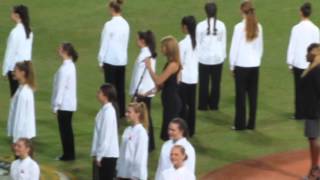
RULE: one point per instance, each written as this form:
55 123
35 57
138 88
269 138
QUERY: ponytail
142 110
23 13
150 40
211 11
70 50
191 24
116 5
27 68
251 20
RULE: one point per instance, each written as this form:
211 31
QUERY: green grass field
81 21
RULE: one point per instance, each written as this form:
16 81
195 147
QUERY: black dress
171 103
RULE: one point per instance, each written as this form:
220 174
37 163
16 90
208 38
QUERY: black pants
188 112
107 171
298 94
209 75
246 82
147 101
66 134
14 84
116 76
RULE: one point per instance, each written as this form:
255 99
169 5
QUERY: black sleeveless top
170 90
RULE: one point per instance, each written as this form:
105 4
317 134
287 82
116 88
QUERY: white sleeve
159 168
62 82
224 42
291 47
12 46
260 42
191 162
141 156
235 43
103 44
198 36
35 172
182 53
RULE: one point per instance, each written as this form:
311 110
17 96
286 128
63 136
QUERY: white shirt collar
107 105
67 61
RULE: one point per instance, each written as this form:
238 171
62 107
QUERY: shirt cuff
290 67
99 158
231 68
55 109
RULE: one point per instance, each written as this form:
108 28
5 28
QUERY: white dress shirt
189 61
114 42
65 88
19 48
133 160
139 69
105 138
302 35
24 169
181 173
245 53
211 48
22 121
164 159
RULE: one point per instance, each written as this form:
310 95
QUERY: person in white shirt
245 59
178 157
189 73
24 168
113 55
178 133
22 120
141 81
64 98
302 35
211 37
19 45
133 160
105 146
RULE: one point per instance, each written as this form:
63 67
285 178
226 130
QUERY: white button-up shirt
245 53
65 88
164 159
211 48
189 61
19 48
140 70
105 138
24 169
302 35
114 42
181 173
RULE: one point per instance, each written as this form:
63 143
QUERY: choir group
199 56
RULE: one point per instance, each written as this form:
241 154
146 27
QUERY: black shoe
203 109
237 129
250 127
62 158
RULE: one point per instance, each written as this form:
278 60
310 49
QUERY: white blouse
211 48
302 35
105 138
181 173
245 53
64 95
19 48
139 69
24 169
189 61
164 159
22 121
133 159
114 42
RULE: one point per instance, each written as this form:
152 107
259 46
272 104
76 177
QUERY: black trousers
298 97
188 112
246 82
107 171
66 134
209 75
116 76
14 84
147 101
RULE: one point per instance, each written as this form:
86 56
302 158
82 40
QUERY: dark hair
22 10
110 92
191 24
306 9
182 125
28 143
70 50
211 11
251 20
182 150
309 55
150 40
116 5
27 68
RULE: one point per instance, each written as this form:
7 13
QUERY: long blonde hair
251 20
142 110
171 46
